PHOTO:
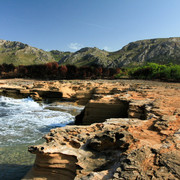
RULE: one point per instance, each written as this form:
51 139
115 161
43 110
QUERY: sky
68 25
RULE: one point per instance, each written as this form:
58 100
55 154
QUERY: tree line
167 72
53 70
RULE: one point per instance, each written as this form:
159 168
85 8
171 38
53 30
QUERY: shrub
156 71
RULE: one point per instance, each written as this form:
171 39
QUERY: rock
110 140
167 124
108 150
98 111
35 96
139 109
133 130
139 165
53 166
171 163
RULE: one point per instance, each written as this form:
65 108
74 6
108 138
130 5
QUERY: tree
72 71
63 71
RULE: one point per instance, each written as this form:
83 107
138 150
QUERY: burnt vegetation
54 71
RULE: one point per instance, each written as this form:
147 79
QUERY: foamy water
23 122
26 121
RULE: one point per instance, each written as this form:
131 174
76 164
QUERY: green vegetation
169 72
58 55
86 57
138 53
22 54
53 70
161 51
20 58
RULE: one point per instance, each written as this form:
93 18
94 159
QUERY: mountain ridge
19 53
158 50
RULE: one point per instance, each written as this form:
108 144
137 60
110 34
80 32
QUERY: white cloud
106 48
75 46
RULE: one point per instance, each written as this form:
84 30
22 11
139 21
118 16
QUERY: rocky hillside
59 55
22 54
88 56
162 50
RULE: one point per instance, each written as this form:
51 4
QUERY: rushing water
23 122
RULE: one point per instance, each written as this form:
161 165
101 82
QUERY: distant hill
161 50
87 56
22 54
58 55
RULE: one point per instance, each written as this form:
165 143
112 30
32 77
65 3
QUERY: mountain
22 54
58 55
160 50
87 56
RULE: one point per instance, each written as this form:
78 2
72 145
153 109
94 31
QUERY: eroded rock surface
127 130
120 148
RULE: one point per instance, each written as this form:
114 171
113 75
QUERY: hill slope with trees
161 51
19 53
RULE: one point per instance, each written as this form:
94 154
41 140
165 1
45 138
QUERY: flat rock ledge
128 130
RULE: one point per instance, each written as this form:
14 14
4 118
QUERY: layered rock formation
116 149
79 91
137 135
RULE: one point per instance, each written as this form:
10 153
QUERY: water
23 122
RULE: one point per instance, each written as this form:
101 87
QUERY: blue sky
68 25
